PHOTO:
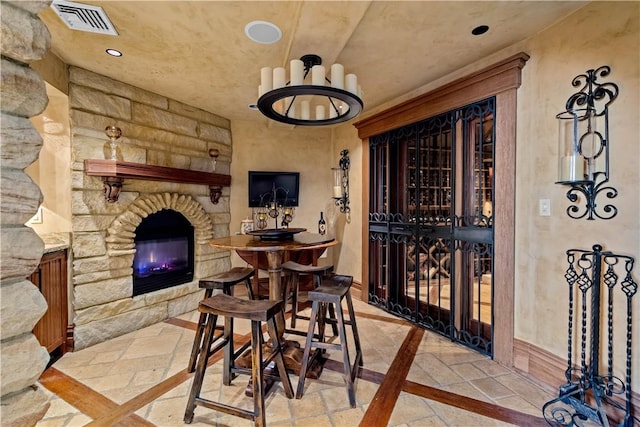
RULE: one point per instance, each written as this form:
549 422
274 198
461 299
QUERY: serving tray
276 233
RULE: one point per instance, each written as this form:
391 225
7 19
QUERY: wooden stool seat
293 270
257 311
224 305
292 266
332 291
223 282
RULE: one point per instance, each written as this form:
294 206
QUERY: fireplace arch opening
164 254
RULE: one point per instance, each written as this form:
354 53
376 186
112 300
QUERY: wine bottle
322 225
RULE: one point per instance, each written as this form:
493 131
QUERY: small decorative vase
246 225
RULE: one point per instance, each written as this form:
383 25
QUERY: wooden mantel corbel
114 172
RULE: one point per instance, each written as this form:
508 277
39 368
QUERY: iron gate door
430 223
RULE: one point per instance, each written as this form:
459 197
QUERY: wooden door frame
502 81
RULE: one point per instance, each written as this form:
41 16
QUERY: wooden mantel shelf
113 173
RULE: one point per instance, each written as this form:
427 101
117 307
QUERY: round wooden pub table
275 250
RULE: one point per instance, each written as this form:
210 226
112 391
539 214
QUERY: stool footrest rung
242 349
300 333
221 342
326 346
227 409
267 374
356 366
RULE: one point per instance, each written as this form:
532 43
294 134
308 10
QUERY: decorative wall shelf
114 172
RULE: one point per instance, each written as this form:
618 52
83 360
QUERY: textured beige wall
312 151
52 169
602 33
274 147
347 256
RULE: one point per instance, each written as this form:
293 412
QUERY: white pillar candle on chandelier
320 112
266 79
297 72
305 110
337 76
317 75
351 81
279 77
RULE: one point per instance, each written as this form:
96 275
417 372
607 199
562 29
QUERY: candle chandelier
584 145
309 98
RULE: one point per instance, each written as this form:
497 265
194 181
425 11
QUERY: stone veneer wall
24 39
155 130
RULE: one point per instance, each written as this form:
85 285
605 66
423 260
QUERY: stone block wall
155 130
24 39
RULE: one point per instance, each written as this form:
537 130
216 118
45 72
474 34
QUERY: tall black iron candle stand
589 394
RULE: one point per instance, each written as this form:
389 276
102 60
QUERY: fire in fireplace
164 252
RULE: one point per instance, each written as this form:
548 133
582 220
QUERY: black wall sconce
341 182
584 144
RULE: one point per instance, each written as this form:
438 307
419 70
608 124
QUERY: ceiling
197 52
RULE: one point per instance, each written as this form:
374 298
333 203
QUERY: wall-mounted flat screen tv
262 183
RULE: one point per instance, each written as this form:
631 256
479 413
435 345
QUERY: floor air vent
83 17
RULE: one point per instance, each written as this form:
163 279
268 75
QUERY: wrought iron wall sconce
583 162
341 182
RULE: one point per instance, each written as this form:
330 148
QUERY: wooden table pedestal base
292 359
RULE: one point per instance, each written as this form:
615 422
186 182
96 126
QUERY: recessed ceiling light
262 32
113 52
480 29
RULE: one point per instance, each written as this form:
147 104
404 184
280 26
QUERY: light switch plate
545 207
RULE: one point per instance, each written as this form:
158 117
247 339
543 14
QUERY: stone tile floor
123 369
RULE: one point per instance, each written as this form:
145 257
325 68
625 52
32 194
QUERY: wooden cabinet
51 279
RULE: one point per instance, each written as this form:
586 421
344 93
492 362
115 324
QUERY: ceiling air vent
83 17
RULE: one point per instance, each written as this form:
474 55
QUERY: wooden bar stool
257 311
293 271
331 292
224 282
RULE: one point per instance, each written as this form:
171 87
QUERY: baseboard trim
547 369
357 287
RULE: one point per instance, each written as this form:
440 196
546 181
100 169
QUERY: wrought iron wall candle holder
341 182
583 162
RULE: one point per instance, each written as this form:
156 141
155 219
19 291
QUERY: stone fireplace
164 252
124 241
108 306
157 132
